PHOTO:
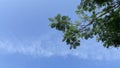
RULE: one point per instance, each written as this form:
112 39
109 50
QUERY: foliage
98 18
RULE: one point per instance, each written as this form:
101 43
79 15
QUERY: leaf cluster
99 18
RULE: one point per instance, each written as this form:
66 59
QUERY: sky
27 41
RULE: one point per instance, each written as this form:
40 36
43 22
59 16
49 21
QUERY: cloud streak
47 46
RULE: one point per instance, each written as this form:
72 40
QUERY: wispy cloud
51 45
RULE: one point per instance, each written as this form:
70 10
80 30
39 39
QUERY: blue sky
26 40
